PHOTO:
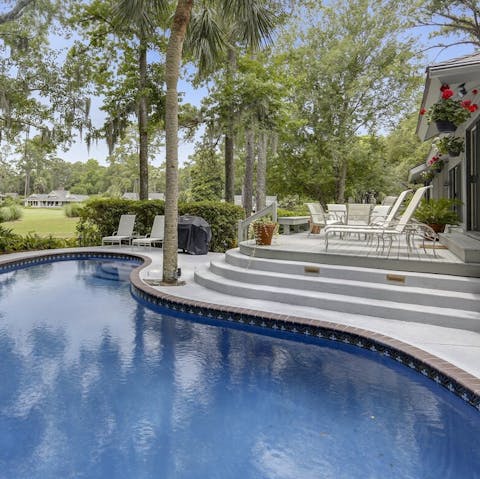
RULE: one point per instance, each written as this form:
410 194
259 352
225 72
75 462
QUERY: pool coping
456 380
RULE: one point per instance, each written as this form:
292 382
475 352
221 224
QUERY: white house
460 175
54 199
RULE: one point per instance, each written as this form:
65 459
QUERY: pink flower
447 93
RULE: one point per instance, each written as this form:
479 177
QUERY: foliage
100 218
10 213
11 242
437 212
450 144
72 210
299 211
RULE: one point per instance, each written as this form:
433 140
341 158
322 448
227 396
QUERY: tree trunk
15 12
172 72
341 180
248 182
230 135
143 122
261 170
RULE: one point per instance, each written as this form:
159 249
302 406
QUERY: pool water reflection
95 385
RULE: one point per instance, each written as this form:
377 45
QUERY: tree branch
15 12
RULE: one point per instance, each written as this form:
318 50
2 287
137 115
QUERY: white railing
243 225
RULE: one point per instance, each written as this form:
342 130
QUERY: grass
44 222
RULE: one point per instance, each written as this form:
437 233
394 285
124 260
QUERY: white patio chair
156 235
318 217
338 211
389 200
383 233
358 214
124 232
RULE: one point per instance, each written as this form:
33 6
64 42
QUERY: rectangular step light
398 278
311 269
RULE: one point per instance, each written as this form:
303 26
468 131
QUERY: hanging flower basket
448 112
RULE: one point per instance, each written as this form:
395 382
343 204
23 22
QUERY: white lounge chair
383 233
156 234
389 200
337 210
124 232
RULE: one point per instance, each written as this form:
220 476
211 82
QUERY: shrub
72 210
99 217
11 242
11 212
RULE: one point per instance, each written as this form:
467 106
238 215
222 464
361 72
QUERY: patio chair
338 211
358 214
389 200
124 232
318 217
389 232
156 235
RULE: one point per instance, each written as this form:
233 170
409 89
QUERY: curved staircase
443 300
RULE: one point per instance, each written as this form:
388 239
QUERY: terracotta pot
264 233
444 126
437 227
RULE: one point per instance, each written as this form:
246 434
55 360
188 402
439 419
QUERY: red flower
473 107
474 91
447 94
445 86
423 111
466 103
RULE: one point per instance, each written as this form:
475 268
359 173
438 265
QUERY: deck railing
243 225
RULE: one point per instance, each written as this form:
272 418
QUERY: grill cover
194 234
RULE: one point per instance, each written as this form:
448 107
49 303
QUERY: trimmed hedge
10 212
99 217
72 210
11 242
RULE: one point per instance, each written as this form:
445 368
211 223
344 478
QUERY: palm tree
141 16
209 43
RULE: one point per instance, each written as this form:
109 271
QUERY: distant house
54 199
151 196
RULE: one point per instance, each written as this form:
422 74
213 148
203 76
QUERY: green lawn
44 221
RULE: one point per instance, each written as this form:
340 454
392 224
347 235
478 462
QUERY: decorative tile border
454 379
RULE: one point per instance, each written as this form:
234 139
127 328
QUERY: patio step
420 296
465 247
366 275
346 303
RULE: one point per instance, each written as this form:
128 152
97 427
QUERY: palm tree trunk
230 135
143 122
172 72
249 163
261 170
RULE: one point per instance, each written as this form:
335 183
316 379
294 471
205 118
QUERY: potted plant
450 145
448 113
437 213
263 230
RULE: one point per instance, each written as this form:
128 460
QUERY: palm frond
254 19
205 39
144 14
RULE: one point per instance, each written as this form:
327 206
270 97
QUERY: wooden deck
354 251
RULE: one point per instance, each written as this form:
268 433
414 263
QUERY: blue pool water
95 385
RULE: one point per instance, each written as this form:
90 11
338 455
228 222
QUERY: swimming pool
96 385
